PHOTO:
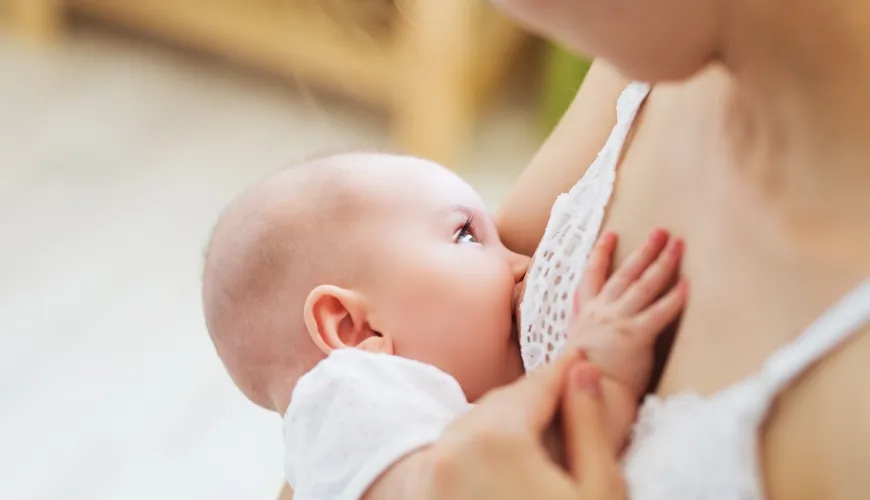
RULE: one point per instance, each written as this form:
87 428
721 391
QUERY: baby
369 300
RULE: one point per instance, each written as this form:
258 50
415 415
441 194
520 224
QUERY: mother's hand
496 450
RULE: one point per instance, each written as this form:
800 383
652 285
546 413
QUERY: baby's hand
618 320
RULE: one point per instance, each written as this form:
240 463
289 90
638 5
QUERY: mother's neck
800 121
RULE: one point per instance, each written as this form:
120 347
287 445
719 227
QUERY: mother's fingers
589 452
531 402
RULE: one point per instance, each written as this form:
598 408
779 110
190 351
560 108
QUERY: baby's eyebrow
462 210
480 215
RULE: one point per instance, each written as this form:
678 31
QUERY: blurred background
125 127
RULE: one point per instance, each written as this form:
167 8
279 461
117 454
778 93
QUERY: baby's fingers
650 323
635 265
654 280
597 269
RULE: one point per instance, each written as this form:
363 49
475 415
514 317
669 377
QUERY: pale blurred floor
115 157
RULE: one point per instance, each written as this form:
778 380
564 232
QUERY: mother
760 158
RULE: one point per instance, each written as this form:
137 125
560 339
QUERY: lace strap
628 105
828 332
604 166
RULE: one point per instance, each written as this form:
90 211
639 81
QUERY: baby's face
445 288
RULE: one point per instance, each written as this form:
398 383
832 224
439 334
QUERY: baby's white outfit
357 413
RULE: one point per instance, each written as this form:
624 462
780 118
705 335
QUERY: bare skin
286 493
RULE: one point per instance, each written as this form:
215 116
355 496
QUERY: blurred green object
563 74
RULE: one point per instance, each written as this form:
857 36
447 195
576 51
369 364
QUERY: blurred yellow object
37 21
431 63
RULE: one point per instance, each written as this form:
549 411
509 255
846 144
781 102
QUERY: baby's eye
466 235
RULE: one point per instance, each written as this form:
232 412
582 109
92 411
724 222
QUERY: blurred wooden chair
432 68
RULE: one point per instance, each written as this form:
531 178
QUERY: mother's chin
665 40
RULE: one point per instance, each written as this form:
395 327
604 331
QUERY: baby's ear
337 318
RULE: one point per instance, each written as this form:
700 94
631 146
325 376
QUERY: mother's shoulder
821 425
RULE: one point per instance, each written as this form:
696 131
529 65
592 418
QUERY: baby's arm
617 320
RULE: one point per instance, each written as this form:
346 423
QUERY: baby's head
384 253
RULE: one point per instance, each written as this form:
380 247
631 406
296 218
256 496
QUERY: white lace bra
685 445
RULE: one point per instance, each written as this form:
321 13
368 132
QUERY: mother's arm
563 159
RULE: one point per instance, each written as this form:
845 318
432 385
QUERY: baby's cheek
496 361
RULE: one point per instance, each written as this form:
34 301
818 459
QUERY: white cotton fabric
357 413
685 445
